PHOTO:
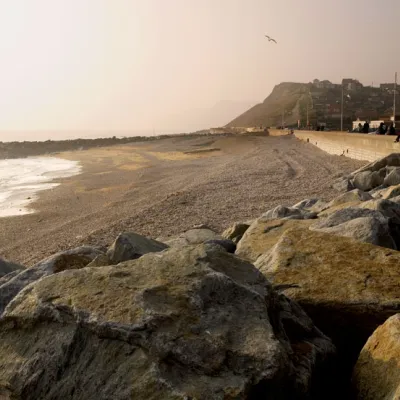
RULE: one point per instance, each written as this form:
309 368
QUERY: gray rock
374 230
368 180
311 205
348 288
321 205
282 212
264 234
227 244
191 323
388 208
342 185
306 204
345 215
393 178
235 232
130 245
71 259
392 160
193 237
198 236
6 267
348 197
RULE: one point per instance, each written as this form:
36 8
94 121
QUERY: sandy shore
162 188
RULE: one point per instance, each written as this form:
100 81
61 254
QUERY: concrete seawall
354 145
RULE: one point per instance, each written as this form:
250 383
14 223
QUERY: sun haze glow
177 64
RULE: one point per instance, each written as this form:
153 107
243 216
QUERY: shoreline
23 178
23 149
162 188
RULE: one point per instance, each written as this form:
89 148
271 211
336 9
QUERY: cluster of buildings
348 84
360 103
353 85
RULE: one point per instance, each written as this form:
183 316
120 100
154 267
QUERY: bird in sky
270 39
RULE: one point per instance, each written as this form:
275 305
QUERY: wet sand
162 188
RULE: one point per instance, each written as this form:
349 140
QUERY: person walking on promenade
366 127
393 129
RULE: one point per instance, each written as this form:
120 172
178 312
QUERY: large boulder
281 212
387 208
71 259
377 374
362 224
263 235
354 195
348 288
192 237
373 229
368 180
130 245
6 267
392 160
391 210
392 178
235 232
331 210
191 323
343 215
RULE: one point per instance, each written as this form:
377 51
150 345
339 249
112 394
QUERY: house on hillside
389 88
352 85
325 84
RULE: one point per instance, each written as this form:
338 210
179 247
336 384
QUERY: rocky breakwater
185 321
288 306
339 261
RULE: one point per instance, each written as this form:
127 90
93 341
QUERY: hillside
289 101
288 96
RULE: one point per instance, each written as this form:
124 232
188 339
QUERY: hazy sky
144 64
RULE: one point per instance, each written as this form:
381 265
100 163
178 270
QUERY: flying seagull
270 39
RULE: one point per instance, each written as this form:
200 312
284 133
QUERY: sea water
22 178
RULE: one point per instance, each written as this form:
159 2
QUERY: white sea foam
22 178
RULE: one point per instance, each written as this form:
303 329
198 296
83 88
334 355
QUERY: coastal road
161 188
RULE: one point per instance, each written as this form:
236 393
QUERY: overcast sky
162 64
